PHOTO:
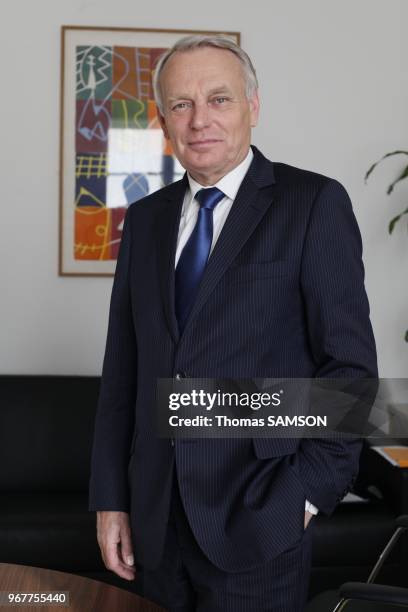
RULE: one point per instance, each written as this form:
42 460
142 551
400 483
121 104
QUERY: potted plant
403 175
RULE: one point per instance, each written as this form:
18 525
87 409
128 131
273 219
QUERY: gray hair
195 42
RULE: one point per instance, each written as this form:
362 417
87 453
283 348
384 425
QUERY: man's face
206 114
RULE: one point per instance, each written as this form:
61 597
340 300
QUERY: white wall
334 93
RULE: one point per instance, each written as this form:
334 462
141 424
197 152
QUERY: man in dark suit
244 268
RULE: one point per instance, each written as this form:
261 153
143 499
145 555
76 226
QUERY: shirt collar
228 184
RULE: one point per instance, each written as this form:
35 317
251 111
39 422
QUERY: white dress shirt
228 184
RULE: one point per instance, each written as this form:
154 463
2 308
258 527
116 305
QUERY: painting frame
74 37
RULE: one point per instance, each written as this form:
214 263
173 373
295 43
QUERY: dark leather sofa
46 427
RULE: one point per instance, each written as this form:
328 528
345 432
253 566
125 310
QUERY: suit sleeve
340 334
115 412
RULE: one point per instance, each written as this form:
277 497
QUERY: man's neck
211 180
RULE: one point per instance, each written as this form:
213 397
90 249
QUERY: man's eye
181 106
220 100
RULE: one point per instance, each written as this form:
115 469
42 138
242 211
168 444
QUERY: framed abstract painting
112 150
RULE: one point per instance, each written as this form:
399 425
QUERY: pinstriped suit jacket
282 296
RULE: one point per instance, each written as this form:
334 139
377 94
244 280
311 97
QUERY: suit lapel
252 201
167 226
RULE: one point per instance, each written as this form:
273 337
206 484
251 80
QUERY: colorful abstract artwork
113 152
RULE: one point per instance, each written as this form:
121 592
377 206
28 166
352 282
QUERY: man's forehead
185 68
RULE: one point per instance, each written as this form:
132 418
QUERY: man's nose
200 117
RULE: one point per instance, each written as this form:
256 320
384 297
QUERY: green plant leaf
395 220
369 171
403 175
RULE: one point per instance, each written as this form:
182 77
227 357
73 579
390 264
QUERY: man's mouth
204 143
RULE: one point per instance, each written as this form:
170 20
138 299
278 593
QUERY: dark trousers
186 581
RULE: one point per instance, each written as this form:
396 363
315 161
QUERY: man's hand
113 532
308 516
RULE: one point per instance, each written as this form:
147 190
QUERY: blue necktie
193 258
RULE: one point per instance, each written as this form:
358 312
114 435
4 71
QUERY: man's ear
162 122
254 108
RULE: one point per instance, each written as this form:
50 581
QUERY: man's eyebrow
221 89
178 97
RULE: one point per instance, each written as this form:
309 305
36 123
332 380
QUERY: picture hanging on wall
112 149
